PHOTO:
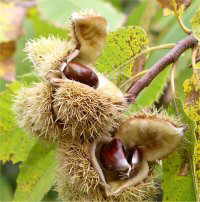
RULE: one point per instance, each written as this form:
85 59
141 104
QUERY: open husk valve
122 161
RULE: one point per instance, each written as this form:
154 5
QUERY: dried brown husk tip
156 134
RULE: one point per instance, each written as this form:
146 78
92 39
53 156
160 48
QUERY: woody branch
171 57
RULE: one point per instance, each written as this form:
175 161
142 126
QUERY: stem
194 54
131 79
184 28
171 57
173 79
164 46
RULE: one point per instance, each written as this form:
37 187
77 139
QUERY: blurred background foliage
22 20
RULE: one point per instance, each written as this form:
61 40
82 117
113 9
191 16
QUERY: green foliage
196 24
191 108
22 63
151 93
137 13
2 84
121 46
59 12
37 173
6 192
15 143
178 173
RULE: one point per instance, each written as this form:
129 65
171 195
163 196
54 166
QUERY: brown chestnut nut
112 157
81 73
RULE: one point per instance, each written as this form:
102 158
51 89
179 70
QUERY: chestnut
81 73
113 158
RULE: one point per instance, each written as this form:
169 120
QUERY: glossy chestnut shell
81 73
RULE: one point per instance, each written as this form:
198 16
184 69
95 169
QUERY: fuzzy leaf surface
121 45
37 173
196 24
191 107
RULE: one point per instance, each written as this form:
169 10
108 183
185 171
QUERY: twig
171 57
194 55
182 25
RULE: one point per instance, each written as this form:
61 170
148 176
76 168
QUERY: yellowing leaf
7 69
196 24
10 21
192 108
7 49
197 164
177 6
121 46
11 18
192 100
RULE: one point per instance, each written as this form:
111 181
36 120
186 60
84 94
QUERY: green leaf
15 144
137 14
196 24
44 28
116 3
58 12
178 184
151 93
23 65
2 84
121 45
6 192
37 173
182 73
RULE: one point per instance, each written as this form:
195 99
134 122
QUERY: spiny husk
75 168
84 112
146 191
155 133
33 107
108 88
47 53
88 29
78 181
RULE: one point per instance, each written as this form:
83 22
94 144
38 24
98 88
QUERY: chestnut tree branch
171 57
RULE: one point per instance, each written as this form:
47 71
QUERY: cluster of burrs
102 155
